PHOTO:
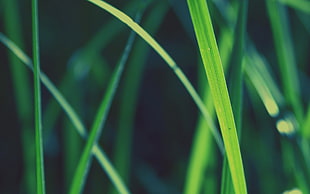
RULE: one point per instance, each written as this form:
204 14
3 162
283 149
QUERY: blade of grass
76 121
301 5
202 153
85 160
130 90
212 62
285 55
37 101
306 124
22 92
172 64
235 85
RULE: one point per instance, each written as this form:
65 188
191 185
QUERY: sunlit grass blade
172 64
236 85
37 101
301 5
22 93
285 55
130 91
76 121
212 62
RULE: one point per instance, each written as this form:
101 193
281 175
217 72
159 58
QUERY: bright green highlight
213 66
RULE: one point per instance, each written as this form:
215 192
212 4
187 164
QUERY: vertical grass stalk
214 70
235 85
37 100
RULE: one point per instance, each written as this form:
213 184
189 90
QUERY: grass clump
251 76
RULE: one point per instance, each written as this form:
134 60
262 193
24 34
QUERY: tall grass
139 114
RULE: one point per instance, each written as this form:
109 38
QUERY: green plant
252 78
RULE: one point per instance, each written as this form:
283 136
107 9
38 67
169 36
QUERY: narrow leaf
214 70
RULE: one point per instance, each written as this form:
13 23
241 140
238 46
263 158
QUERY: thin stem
37 101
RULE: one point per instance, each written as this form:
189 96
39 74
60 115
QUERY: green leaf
214 70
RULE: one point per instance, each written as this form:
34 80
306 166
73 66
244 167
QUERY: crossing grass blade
172 64
37 101
76 121
214 70
101 116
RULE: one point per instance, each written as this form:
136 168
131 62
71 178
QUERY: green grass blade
37 101
22 93
301 5
286 58
76 121
235 85
306 124
101 116
172 64
202 153
212 62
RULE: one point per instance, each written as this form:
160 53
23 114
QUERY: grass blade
286 58
76 121
172 64
235 85
212 62
37 101
101 116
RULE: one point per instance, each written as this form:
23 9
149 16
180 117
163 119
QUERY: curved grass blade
76 121
212 62
37 101
172 64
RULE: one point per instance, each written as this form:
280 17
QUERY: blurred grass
155 135
22 93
